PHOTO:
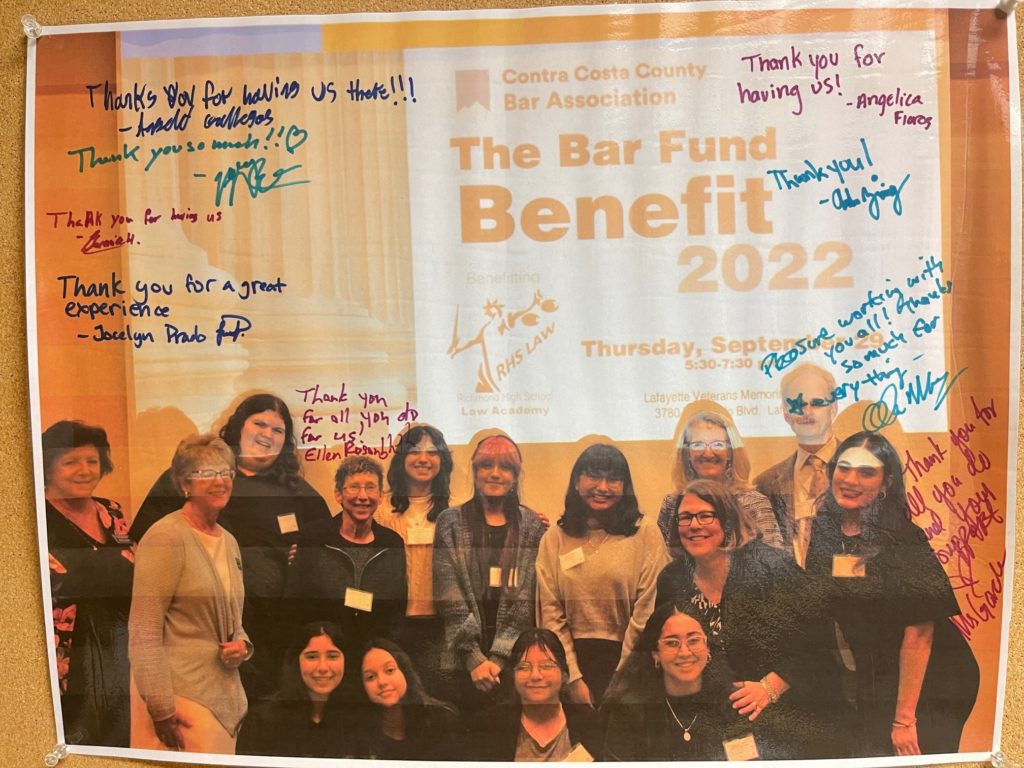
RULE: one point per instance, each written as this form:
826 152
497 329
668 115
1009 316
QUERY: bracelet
773 695
898 724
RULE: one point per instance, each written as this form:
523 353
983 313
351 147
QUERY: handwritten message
90 300
335 425
963 511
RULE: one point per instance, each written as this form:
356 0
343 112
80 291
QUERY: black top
327 565
91 588
774 619
286 729
432 733
903 584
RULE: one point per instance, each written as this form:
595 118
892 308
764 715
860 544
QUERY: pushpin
31 26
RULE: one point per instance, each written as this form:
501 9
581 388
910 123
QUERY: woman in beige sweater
186 639
597 570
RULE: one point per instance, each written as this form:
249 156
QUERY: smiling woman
404 721
269 508
600 546
306 717
91 562
710 448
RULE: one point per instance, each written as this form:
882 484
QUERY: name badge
848 566
422 536
358 599
288 523
494 577
579 754
744 748
572 558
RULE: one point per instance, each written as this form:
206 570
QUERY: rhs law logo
496 322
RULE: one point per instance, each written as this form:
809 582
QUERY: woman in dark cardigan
917 679
766 618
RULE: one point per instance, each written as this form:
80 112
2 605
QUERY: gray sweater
459 586
179 615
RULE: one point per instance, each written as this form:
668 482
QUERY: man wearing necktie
794 484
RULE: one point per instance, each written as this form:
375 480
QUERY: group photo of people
771 611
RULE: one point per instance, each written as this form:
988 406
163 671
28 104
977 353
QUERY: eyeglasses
209 474
693 643
597 477
718 446
526 668
370 489
703 518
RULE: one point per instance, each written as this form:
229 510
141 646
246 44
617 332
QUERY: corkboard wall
26 720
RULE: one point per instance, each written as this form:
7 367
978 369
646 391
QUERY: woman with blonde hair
710 448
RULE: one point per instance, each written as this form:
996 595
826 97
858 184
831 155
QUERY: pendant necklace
685 729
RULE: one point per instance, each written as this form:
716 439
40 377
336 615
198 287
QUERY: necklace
686 729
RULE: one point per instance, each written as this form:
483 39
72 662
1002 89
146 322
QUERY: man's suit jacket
777 484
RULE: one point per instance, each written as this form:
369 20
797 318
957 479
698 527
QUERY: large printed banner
569 225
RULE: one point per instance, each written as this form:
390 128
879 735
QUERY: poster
571 225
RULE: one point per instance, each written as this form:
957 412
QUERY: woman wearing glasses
765 617
596 571
536 722
269 508
710 448
670 702
351 570
186 640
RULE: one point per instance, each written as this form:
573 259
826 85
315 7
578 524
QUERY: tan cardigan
179 615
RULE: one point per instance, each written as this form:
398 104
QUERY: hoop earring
883 494
657 664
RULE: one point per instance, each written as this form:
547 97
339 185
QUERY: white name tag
744 748
579 754
358 599
848 566
494 577
416 537
287 523
572 558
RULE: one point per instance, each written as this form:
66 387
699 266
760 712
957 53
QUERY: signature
843 200
253 174
896 399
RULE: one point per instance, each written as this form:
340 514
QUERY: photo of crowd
796 614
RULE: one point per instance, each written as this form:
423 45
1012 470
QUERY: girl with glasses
670 702
596 571
765 618
536 722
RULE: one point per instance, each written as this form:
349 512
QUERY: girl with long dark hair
596 571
